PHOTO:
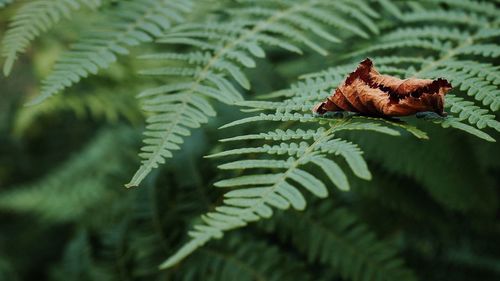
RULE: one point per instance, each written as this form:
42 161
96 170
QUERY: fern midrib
143 171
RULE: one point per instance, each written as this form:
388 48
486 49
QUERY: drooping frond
336 238
77 185
34 18
284 163
129 24
222 51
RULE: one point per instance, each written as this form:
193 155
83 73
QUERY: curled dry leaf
368 92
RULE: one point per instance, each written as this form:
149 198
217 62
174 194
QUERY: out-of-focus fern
78 264
32 19
221 52
77 185
335 237
99 104
243 259
128 24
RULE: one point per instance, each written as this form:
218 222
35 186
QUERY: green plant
419 192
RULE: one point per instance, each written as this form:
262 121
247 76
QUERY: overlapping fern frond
245 260
221 51
34 18
336 238
128 24
285 162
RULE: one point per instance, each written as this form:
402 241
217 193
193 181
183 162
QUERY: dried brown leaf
368 92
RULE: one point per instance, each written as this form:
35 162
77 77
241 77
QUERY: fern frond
335 237
129 24
224 50
34 18
282 168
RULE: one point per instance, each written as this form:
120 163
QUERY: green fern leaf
129 24
34 18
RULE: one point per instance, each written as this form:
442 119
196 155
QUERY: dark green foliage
279 193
